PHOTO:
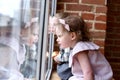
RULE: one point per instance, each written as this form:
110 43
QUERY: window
25 45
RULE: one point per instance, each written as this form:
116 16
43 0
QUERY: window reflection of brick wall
35 7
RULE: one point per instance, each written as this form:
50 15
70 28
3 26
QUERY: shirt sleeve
82 46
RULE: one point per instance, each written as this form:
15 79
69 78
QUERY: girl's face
63 38
33 38
30 37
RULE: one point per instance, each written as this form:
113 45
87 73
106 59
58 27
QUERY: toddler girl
87 62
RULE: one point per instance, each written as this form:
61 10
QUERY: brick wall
112 43
93 12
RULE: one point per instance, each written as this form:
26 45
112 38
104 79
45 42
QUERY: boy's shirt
63 55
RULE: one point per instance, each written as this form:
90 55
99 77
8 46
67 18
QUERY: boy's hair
77 25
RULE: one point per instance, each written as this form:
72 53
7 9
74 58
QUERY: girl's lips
58 43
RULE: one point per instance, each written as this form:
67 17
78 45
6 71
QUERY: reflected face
33 38
30 35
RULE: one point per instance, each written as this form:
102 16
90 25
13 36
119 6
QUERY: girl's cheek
36 38
31 40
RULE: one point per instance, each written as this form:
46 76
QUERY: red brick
116 74
113 35
110 29
108 50
60 6
59 11
114 13
109 41
101 18
117 7
72 13
78 7
116 53
100 26
114 1
100 35
112 7
117 30
117 25
102 51
89 24
117 19
110 18
99 42
114 59
98 2
113 24
101 9
70 1
117 42
88 16
115 65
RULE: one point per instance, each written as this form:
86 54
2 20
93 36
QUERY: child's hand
56 60
54 54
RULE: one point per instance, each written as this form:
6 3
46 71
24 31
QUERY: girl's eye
59 36
35 34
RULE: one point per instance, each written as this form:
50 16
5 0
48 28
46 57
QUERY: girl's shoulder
82 46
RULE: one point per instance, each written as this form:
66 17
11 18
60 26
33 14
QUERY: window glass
26 45
49 60
19 36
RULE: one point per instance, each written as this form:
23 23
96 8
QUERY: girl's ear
73 35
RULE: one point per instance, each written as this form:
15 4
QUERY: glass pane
48 55
30 16
49 61
19 29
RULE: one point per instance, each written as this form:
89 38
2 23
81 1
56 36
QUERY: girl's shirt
101 68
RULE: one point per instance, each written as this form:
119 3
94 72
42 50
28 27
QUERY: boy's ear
73 35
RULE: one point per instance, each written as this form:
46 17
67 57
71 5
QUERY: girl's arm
85 65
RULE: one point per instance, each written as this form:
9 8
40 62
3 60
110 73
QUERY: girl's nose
36 38
57 39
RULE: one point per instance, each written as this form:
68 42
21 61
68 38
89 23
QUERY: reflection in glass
30 15
49 61
19 28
